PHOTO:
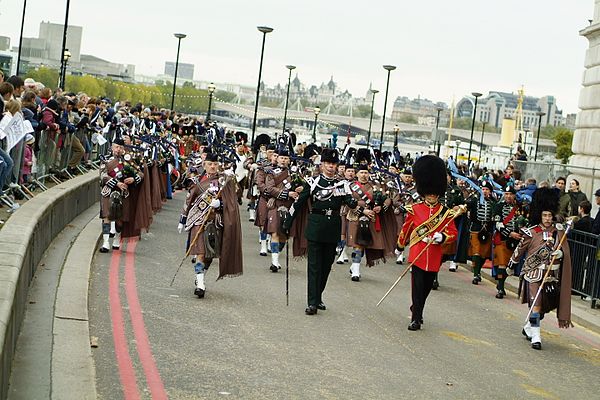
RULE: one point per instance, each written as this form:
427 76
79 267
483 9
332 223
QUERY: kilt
476 248
502 254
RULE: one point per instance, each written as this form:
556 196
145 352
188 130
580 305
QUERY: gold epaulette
409 209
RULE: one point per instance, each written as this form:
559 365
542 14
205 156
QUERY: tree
47 76
408 119
563 138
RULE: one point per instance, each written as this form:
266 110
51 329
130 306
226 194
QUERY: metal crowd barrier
585 263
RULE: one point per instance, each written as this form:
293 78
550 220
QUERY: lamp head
180 35
540 113
317 110
211 87
476 94
396 128
389 67
374 91
290 67
264 29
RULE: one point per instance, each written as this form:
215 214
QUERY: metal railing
585 264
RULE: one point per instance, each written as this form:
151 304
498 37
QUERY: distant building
570 121
45 50
184 71
497 106
423 110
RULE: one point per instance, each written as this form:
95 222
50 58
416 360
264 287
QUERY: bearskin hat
429 173
262 139
363 154
241 137
508 188
330 155
311 150
544 199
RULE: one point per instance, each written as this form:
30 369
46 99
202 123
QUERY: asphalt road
157 340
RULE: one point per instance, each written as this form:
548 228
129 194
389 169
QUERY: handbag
115 210
363 234
550 296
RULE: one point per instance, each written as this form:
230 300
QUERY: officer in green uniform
326 194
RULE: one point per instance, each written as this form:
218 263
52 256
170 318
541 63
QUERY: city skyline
483 47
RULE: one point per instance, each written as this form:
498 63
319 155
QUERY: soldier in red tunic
427 223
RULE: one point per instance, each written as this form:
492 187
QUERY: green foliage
408 119
465 123
188 99
227 97
563 138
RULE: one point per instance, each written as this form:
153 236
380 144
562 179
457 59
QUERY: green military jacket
325 196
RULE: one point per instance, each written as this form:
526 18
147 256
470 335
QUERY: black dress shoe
356 279
263 254
475 281
193 260
199 292
435 286
310 310
536 346
414 326
525 334
321 306
103 250
273 268
500 294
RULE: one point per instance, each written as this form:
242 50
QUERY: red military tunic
423 220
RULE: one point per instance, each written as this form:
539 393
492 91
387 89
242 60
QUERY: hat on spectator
30 83
597 193
29 138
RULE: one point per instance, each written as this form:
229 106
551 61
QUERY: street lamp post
64 62
287 96
264 30
481 142
374 92
211 89
457 144
21 37
317 111
437 133
179 36
389 69
396 130
476 95
540 114
63 67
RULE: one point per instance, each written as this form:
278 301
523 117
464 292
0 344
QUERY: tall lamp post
396 130
179 36
63 71
264 30
389 69
63 67
540 114
481 142
287 95
211 89
317 111
21 37
374 92
477 96
457 144
437 133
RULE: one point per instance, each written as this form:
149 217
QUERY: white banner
14 129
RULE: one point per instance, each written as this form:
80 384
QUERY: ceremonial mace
560 243
461 210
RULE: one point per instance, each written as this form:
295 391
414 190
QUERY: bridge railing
585 264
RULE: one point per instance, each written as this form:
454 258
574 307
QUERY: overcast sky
442 48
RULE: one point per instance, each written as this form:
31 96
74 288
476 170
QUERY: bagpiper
211 217
541 244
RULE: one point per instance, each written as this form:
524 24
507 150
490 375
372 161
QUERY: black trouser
421 283
320 259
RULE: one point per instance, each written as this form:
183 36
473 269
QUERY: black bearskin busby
544 199
241 137
311 150
429 173
330 155
363 155
262 139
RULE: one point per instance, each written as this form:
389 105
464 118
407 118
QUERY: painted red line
153 379
126 371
